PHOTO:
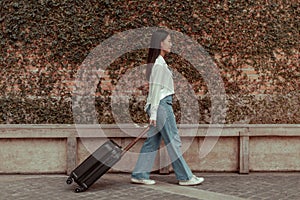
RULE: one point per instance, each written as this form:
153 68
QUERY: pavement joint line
190 191
22 177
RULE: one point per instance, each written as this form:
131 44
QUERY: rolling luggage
98 163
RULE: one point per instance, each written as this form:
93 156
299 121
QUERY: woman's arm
155 87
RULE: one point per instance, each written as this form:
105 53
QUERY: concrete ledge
242 148
112 130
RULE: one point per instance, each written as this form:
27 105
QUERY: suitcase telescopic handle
131 144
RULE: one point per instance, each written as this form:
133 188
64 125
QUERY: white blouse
160 85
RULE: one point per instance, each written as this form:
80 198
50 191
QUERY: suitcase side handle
131 144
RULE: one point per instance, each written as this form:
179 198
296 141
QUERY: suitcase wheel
80 189
69 180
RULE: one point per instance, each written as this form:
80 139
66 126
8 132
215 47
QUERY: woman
162 119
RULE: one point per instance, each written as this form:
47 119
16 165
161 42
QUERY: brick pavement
253 186
223 186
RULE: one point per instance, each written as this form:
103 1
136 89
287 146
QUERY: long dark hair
154 50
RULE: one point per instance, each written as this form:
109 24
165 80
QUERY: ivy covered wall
255 44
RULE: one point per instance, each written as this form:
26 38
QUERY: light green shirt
160 85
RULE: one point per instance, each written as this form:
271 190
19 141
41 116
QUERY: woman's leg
147 155
169 132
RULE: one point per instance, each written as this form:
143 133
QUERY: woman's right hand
152 122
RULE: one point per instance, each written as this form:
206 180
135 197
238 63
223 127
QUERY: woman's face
166 44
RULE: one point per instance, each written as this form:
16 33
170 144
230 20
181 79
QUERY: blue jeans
165 129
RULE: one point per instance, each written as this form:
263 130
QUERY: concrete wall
60 148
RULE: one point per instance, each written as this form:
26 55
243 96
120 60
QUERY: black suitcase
98 163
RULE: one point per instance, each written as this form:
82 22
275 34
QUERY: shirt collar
161 59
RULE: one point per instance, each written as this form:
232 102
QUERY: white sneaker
193 181
143 181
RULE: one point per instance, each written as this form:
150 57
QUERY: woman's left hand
152 122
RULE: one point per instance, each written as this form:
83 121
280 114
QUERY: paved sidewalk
117 186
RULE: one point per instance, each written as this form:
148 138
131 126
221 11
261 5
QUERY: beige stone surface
223 156
274 154
32 155
47 149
